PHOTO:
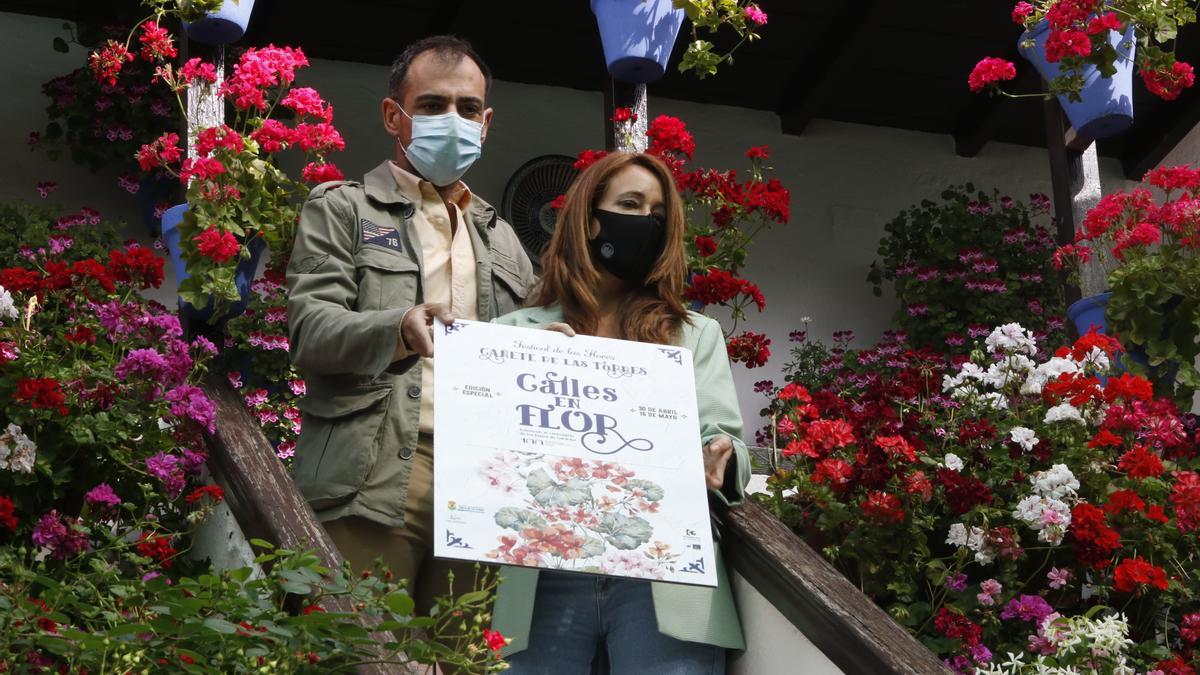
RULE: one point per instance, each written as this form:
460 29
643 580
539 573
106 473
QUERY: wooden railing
853 632
263 498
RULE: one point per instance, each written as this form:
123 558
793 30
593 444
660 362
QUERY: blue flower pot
243 276
1089 312
223 26
1107 105
638 36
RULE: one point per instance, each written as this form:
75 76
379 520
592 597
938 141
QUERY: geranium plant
239 195
1013 512
32 233
1150 249
257 365
708 16
1079 32
724 215
968 261
102 123
101 449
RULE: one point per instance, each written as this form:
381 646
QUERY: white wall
846 180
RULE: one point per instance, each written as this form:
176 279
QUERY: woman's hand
560 327
716 456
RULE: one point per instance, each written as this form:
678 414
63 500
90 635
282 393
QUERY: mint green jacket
692 613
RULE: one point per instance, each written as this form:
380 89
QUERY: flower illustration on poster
577 514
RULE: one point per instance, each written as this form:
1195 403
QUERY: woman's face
633 190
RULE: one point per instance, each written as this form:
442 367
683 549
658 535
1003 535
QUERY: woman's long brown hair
570 278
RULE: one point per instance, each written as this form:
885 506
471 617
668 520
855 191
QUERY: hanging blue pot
638 36
1107 105
223 26
243 277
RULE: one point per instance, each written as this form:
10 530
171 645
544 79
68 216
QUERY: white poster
569 453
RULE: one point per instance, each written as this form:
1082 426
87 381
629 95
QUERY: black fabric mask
628 245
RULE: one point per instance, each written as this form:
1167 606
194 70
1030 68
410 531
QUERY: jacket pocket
508 288
386 280
339 444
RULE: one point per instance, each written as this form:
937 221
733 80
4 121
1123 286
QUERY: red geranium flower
883 507
706 246
1167 85
495 641
41 393
1140 462
157 548
8 518
989 72
1134 573
217 245
213 492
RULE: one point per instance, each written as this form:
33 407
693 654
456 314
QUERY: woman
615 268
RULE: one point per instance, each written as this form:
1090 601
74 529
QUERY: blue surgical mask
443 146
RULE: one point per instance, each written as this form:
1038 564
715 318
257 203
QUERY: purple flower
957 582
166 469
188 402
1027 608
298 387
102 496
179 362
960 664
764 387
146 362
980 653
53 532
204 345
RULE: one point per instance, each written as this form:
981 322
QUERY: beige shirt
447 259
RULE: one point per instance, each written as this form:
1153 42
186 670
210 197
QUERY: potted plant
1015 515
221 26
639 35
240 200
964 262
1149 250
1086 51
101 124
724 213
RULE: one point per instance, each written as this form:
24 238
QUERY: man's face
435 85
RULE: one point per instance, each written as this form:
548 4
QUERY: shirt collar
418 190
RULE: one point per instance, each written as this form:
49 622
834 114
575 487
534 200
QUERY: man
373 263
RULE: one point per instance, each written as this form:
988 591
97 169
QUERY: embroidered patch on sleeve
380 235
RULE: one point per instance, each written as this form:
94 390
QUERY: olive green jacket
692 613
355 270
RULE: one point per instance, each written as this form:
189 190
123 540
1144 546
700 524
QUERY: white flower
994 400
17 451
967 372
953 462
1063 411
1095 361
1049 517
1024 437
1011 338
984 554
957 535
1048 372
8 310
1056 482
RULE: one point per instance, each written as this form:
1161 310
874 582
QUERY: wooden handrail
265 500
853 632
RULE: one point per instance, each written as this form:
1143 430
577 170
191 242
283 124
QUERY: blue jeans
577 619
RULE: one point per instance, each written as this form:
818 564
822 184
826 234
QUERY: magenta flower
1027 608
957 582
190 403
166 469
54 532
102 496
756 15
1058 577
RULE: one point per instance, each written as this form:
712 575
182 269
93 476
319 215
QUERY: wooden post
1075 181
623 138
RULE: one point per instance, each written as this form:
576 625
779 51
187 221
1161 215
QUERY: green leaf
516 518
400 603
220 626
624 532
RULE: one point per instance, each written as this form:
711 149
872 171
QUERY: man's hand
416 328
716 456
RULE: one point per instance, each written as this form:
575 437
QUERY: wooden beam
808 89
1154 137
1064 166
850 629
265 500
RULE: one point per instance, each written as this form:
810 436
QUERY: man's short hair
449 48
